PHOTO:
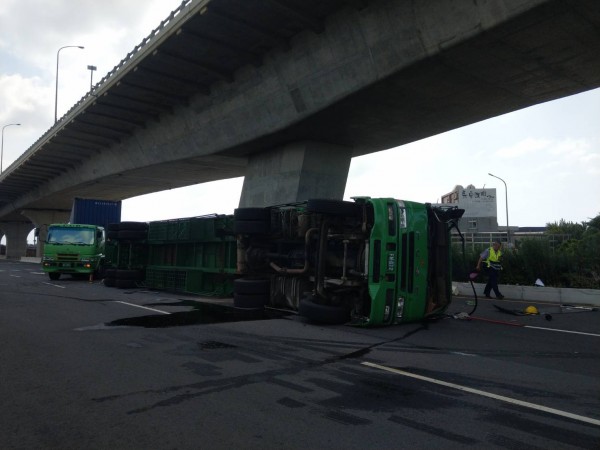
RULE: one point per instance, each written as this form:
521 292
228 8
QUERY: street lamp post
2 144
91 69
56 90
506 201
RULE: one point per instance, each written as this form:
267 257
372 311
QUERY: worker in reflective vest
491 257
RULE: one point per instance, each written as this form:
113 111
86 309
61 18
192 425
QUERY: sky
548 154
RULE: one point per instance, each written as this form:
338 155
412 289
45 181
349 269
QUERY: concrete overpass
286 92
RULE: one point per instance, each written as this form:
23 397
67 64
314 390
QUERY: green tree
573 229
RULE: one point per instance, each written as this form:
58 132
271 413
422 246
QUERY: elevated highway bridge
286 92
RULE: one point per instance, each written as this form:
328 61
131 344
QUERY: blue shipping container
95 212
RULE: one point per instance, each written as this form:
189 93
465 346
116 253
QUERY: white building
479 205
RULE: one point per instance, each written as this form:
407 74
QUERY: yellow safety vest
493 259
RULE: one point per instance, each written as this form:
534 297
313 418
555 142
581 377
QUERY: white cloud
524 147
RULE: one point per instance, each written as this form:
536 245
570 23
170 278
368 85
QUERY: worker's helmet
531 310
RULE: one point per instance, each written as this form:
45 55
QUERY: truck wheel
54 275
110 273
133 226
130 274
252 286
253 214
250 301
132 235
100 273
125 284
327 314
335 207
251 227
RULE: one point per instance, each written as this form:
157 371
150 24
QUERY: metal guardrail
484 239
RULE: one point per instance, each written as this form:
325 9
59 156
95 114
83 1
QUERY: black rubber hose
453 224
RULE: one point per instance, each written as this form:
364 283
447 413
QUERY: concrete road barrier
535 293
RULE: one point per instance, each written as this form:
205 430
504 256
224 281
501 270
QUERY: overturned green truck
371 262
368 262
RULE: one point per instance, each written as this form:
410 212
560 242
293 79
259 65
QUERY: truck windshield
70 236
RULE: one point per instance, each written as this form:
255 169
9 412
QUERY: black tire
110 273
112 227
133 226
250 227
132 235
100 272
334 207
109 282
54 275
112 234
252 214
130 274
328 314
250 301
252 286
125 284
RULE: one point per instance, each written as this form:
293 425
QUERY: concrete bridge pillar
16 238
41 218
296 172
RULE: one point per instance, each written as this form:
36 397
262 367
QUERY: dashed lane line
143 307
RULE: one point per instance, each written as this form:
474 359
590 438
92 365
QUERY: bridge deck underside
548 52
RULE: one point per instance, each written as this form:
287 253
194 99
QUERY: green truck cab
73 249
371 262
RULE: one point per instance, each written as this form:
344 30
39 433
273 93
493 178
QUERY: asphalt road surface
87 366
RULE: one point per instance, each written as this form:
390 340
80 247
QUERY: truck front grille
67 257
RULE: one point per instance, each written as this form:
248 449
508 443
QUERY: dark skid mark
346 419
203 313
507 442
290 402
432 430
518 423
210 345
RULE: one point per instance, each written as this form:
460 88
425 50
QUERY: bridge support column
296 172
41 219
16 238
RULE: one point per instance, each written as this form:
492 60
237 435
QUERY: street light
56 91
506 193
2 144
91 69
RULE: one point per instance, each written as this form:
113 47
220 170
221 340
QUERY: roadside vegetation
573 262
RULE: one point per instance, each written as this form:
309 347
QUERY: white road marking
16 276
462 354
143 307
38 273
55 285
562 331
514 401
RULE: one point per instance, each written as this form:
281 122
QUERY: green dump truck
73 249
369 262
